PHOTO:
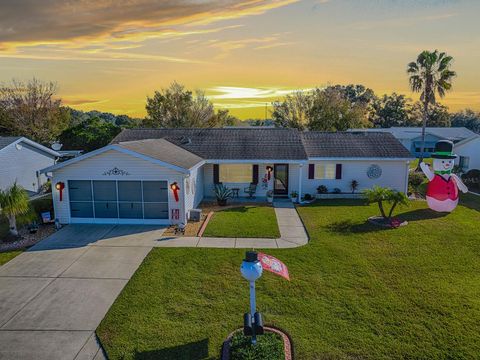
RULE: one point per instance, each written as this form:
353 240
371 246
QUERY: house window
235 173
325 171
464 162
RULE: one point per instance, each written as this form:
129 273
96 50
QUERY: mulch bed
25 239
387 223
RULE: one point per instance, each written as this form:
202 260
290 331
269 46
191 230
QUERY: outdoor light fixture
60 186
174 186
269 171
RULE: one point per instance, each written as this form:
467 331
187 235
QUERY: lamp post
251 270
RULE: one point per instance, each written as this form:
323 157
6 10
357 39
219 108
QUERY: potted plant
294 196
222 193
322 189
354 186
270 196
337 191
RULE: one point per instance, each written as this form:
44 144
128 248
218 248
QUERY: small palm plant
381 195
14 202
222 193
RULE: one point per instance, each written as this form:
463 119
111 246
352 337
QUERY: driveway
53 297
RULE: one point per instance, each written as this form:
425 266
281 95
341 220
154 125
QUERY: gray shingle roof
354 144
228 143
163 150
272 143
7 140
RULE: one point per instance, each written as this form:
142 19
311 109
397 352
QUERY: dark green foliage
124 121
415 179
466 118
322 189
438 115
307 197
89 135
269 347
391 110
354 185
337 191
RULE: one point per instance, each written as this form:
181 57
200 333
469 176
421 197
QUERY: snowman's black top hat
444 150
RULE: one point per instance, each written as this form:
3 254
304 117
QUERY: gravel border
26 239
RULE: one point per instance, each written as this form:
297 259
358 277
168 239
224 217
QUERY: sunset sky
109 55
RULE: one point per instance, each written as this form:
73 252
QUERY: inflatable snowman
443 186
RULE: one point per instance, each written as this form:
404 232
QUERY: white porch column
300 177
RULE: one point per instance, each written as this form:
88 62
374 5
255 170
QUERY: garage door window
118 199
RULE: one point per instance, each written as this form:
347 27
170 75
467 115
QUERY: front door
280 174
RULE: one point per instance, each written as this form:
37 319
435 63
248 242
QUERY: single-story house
156 176
468 152
21 160
411 137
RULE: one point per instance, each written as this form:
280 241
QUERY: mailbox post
251 270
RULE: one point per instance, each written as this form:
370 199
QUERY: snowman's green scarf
443 172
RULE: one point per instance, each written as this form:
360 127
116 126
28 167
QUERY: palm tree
13 202
380 195
430 75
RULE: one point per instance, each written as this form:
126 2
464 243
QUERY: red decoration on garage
174 186
60 186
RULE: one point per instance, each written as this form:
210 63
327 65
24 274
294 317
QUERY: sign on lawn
273 265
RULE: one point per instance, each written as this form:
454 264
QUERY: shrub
337 191
269 347
354 186
415 179
322 189
293 194
308 197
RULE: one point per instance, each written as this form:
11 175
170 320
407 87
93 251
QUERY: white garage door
110 199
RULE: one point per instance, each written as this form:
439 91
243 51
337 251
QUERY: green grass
7 256
414 163
356 291
244 221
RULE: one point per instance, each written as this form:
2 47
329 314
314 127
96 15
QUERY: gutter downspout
300 179
406 177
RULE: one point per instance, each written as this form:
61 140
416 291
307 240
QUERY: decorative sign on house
374 171
116 171
443 185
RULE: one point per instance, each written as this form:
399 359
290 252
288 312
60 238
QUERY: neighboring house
20 161
411 137
468 152
156 176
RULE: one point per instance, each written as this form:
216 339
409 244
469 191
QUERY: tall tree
293 111
31 109
332 111
177 107
430 75
438 115
391 110
467 118
89 135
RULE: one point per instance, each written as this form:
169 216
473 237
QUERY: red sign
273 265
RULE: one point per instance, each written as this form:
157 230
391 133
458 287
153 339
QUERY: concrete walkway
53 297
292 234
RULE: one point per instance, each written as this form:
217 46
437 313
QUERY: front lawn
244 221
356 291
7 256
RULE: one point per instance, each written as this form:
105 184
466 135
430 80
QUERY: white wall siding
471 150
394 175
193 189
94 168
21 165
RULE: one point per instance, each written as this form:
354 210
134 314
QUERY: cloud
231 92
260 43
60 22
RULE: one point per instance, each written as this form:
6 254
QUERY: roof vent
185 140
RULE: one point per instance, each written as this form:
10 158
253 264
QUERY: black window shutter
255 174
338 172
311 171
215 174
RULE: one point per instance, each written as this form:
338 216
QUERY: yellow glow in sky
110 55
